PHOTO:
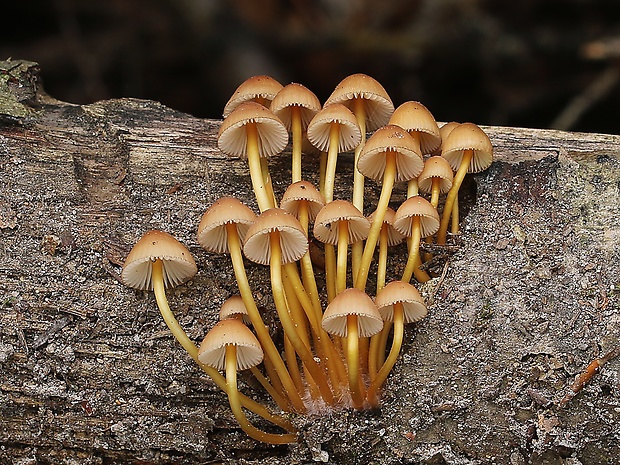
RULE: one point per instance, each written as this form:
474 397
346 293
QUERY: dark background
523 63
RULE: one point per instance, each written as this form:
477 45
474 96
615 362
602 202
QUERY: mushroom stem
256 173
271 352
455 216
264 382
397 341
375 341
322 171
353 362
275 266
343 248
357 248
192 350
459 176
235 405
264 166
412 188
414 250
332 157
330 271
435 191
296 149
377 222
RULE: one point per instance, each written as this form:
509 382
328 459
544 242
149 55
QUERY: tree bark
525 298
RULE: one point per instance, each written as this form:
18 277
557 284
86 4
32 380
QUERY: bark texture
528 295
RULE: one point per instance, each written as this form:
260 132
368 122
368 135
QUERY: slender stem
192 350
332 157
412 188
373 359
264 382
264 167
414 250
455 216
459 176
353 361
322 171
262 333
235 405
385 370
330 271
357 248
296 136
342 256
435 191
263 197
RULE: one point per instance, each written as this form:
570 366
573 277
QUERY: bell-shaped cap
393 235
212 351
295 95
352 302
435 168
415 118
468 136
349 131
417 206
405 293
329 220
302 191
264 88
212 232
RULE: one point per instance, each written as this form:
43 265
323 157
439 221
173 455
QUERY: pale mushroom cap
264 87
212 351
391 138
178 264
415 117
293 240
272 134
435 167
394 236
352 302
320 126
212 233
302 191
378 103
443 132
234 307
295 95
414 308
327 222
417 206
468 136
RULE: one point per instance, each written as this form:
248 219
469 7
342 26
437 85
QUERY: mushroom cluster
334 350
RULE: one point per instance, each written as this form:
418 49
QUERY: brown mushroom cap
435 167
394 236
295 95
415 117
379 105
390 138
233 307
232 137
212 351
414 308
327 222
178 264
417 206
352 302
320 127
212 233
293 240
468 136
264 87
299 191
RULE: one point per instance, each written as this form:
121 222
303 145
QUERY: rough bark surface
528 296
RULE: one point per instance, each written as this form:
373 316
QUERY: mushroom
352 314
252 131
275 239
435 178
231 346
400 303
222 229
468 150
445 130
388 237
295 105
415 218
260 89
389 155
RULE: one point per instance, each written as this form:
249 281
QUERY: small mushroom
260 89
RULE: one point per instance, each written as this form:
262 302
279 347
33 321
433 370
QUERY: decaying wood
90 375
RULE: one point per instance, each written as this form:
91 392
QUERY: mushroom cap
443 132
378 103
233 307
327 222
212 351
212 233
255 87
319 128
414 308
352 302
293 240
394 236
390 138
232 137
298 192
178 264
415 117
295 95
435 167
468 136
417 206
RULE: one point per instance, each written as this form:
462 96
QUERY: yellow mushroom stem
263 197
414 250
373 361
271 352
277 288
332 158
455 216
353 362
389 176
264 382
307 270
322 171
357 248
296 149
235 405
330 271
459 176
342 256
264 166
192 349
397 340
435 191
